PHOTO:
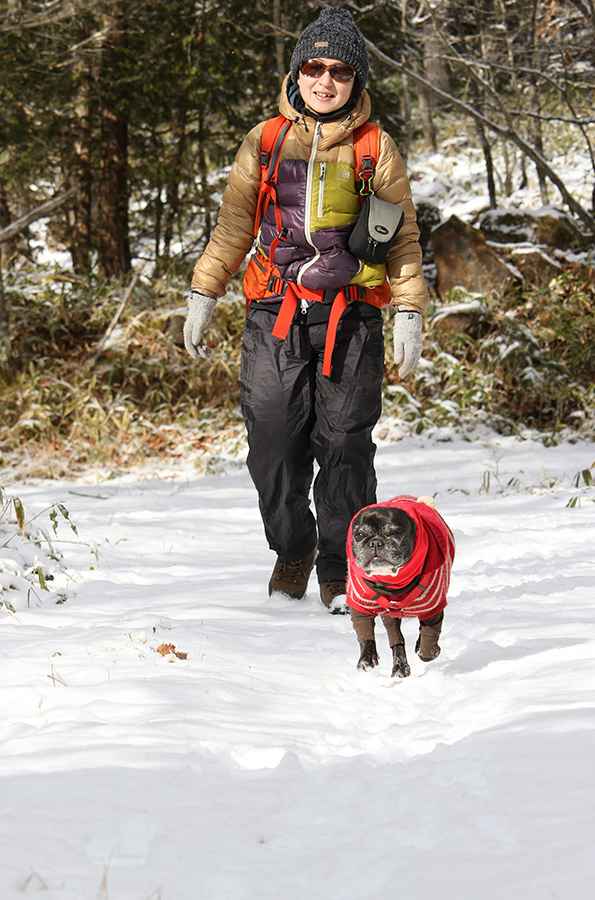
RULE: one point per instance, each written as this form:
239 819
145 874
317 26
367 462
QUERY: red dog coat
419 588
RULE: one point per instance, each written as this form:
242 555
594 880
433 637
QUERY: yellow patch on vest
334 200
335 204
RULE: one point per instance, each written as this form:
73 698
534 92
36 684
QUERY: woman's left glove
200 310
407 340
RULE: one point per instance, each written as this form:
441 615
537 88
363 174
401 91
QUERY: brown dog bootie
427 647
400 665
369 655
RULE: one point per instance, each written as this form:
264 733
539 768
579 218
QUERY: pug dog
383 540
400 554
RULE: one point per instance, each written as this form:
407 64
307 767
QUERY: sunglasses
313 68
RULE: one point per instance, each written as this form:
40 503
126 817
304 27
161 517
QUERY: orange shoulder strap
273 136
366 148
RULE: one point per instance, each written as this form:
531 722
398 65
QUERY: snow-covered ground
454 178
264 765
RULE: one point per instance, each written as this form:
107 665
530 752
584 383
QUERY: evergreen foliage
140 105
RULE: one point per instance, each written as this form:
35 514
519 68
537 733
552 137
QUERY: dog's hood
431 547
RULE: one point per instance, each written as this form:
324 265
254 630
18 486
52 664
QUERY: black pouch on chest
376 229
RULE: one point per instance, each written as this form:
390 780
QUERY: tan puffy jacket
233 235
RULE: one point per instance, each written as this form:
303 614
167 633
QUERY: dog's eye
395 532
359 535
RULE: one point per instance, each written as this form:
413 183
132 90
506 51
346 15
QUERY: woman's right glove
200 310
407 340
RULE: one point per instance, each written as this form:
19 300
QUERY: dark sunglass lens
312 69
342 73
338 72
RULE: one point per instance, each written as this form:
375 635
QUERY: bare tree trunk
508 187
4 336
5 216
479 103
535 122
436 65
204 182
406 140
537 139
489 162
114 245
279 48
425 113
79 239
203 167
158 218
173 190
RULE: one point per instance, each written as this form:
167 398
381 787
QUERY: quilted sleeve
233 234
407 283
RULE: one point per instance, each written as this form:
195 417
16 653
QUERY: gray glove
407 340
200 310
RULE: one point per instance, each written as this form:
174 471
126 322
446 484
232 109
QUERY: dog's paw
400 665
338 606
368 656
429 652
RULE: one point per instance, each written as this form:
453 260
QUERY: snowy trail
264 765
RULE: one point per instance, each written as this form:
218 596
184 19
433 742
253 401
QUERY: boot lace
334 588
290 570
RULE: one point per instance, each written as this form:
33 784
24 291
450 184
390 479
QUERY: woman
295 415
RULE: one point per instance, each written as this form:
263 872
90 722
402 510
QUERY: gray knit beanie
333 35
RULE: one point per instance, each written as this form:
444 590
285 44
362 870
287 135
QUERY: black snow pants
296 416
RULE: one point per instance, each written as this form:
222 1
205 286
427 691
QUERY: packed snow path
264 766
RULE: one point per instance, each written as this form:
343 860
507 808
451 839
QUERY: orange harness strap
273 137
292 293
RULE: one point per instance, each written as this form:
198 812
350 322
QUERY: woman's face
324 95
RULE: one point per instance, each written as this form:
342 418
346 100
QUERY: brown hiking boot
291 576
332 594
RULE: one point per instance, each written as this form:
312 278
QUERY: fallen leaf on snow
166 649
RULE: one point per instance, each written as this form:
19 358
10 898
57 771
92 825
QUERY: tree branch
505 131
38 213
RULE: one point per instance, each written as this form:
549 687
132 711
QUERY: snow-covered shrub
527 361
30 561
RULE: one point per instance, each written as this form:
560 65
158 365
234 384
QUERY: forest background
118 122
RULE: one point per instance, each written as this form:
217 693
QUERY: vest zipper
308 209
321 182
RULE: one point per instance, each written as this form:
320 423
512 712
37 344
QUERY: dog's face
383 540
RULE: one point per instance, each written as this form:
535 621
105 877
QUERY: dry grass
526 362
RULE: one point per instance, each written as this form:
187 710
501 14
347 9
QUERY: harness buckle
354 292
366 176
277 285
